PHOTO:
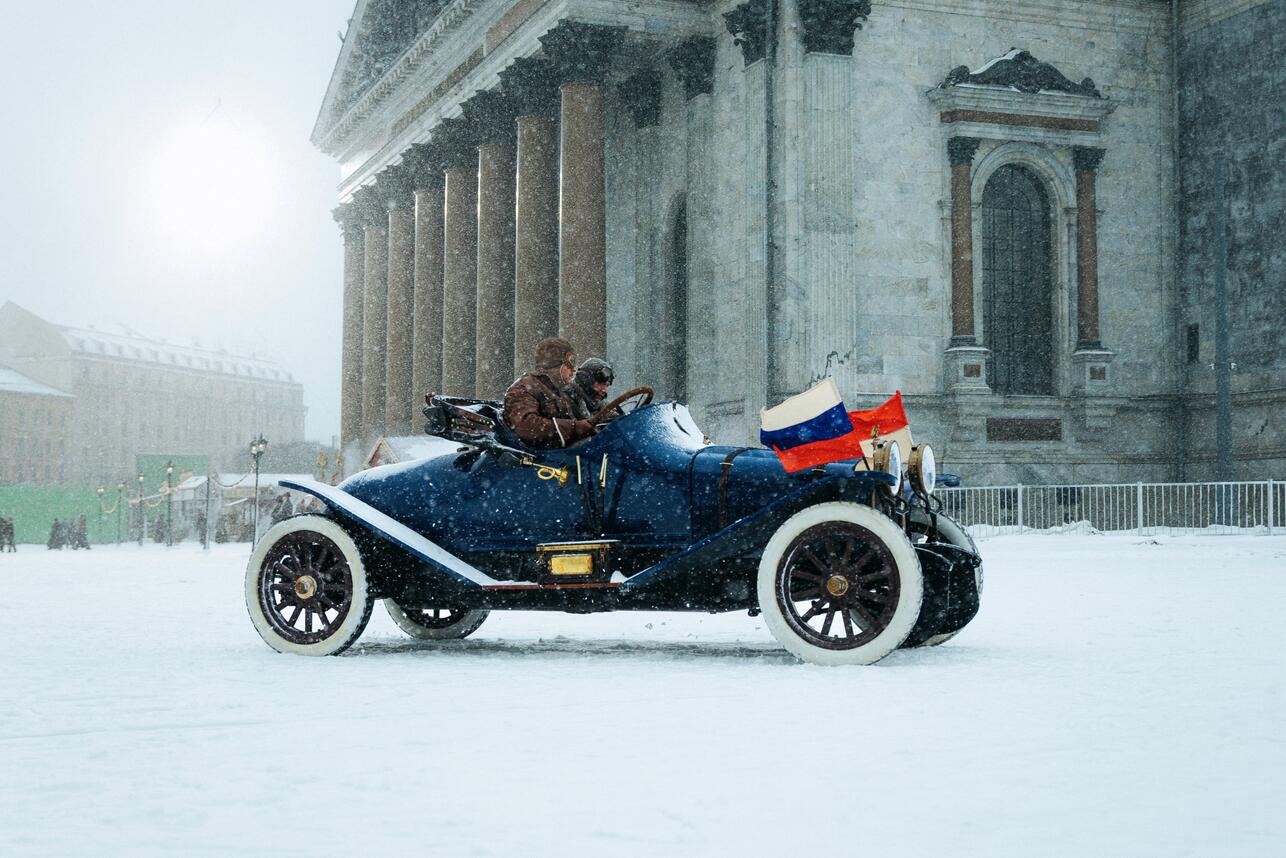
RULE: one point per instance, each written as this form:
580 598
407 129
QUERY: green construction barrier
34 508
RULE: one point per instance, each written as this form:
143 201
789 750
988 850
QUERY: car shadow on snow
564 647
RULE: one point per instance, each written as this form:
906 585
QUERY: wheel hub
837 585
305 586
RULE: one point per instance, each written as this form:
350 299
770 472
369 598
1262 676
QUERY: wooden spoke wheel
839 583
435 623
306 587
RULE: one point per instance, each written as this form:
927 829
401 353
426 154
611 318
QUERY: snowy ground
1117 696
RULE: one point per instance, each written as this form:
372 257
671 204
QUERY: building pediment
1019 71
384 42
1018 97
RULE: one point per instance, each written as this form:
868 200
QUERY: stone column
641 95
1086 161
533 86
494 115
426 370
582 53
460 257
350 420
374 314
960 152
395 184
966 361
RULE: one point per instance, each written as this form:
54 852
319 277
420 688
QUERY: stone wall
1232 92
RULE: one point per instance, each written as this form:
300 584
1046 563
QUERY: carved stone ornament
350 220
1021 71
582 53
829 25
369 206
493 115
457 141
532 83
960 150
748 24
395 188
642 97
693 61
1087 159
423 162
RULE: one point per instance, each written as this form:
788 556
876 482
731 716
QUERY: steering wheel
646 398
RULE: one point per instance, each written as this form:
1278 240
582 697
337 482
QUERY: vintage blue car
844 565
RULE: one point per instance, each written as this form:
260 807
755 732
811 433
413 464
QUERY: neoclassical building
1003 209
96 399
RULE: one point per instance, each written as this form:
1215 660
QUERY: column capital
423 162
369 207
960 150
394 186
748 24
582 53
532 83
1086 159
457 141
829 25
493 114
350 218
641 94
693 61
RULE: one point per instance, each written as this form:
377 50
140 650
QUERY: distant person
80 534
6 535
282 509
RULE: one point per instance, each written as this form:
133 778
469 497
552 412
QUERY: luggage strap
724 467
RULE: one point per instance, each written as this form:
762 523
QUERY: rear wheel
839 584
306 587
435 624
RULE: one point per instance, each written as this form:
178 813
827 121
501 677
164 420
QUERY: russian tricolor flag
813 428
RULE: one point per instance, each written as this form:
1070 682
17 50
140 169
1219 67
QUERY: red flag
889 418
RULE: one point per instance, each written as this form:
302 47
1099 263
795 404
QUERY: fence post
1270 507
1138 506
1020 508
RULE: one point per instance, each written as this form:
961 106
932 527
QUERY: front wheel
435 624
839 583
306 587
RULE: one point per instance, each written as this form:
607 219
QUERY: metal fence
1145 508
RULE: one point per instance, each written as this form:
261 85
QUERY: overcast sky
130 128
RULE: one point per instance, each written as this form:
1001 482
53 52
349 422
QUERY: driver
536 406
588 389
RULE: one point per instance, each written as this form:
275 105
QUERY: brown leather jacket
539 412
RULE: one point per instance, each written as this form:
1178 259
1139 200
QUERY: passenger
588 389
536 406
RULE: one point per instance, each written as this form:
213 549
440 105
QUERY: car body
645 515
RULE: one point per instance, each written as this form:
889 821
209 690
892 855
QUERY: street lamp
142 519
169 504
257 448
120 496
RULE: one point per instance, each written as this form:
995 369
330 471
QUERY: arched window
675 309
1018 314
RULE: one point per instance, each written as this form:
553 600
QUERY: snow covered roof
12 381
136 348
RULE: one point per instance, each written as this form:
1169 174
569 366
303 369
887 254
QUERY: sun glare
212 185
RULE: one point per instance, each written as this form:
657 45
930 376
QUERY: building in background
35 420
1003 208
122 395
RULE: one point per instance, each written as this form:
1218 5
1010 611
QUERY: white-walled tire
839 583
953 533
306 587
435 624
